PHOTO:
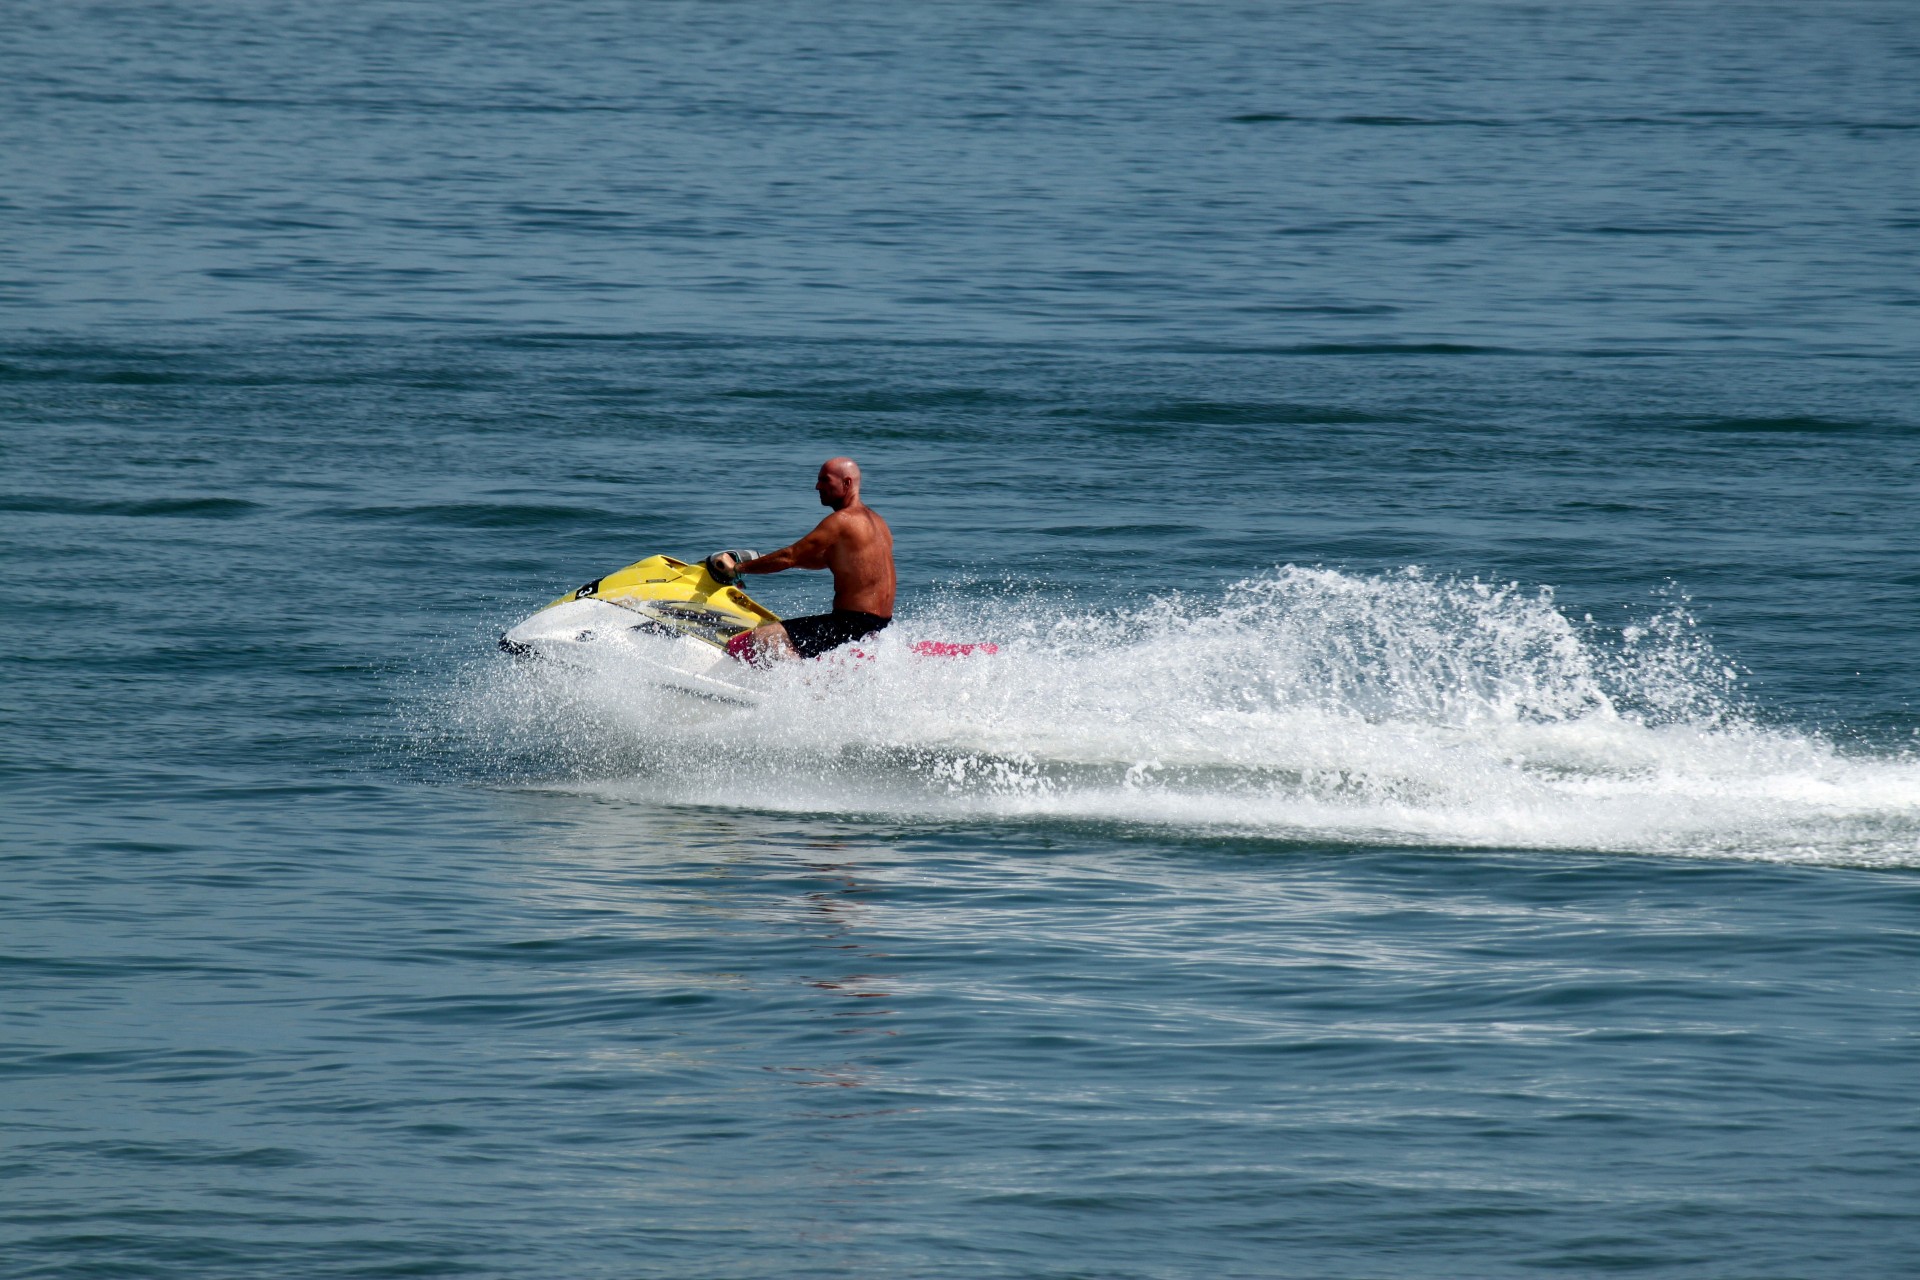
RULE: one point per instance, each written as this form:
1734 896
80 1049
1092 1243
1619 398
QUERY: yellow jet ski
672 616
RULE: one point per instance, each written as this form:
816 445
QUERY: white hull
596 632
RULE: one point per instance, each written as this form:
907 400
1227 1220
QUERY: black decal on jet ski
693 613
591 589
712 625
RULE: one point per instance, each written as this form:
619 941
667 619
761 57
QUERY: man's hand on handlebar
725 565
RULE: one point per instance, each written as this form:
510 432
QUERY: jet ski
671 618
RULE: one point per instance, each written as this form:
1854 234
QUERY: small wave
1233 413
477 515
1421 122
1790 424
1341 349
1306 705
1617 229
184 508
1369 121
877 401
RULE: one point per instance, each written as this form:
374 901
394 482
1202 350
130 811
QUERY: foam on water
1304 705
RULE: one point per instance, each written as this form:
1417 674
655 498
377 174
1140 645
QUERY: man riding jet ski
853 542
690 627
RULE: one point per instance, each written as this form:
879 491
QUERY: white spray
1307 705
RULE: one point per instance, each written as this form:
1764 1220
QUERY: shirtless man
855 543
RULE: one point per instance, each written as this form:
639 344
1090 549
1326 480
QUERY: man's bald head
839 483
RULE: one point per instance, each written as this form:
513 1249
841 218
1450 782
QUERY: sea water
1440 481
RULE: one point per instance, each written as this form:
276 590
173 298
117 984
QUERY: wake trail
1301 705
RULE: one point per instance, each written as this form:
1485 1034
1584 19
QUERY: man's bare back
853 542
859 551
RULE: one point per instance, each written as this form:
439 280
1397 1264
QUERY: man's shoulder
852 519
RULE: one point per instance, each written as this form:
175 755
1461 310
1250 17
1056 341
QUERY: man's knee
768 640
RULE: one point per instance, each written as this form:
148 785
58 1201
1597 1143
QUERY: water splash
1306 705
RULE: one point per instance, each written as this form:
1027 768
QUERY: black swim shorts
815 635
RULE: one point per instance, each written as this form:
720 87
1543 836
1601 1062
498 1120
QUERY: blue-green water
1441 478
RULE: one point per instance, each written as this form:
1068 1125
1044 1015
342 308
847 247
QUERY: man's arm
808 553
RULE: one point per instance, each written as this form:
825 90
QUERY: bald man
855 543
